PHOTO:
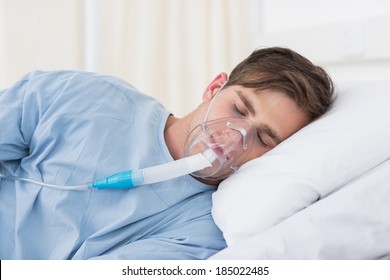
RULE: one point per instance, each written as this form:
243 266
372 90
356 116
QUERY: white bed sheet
352 223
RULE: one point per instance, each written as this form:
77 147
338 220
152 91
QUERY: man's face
273 114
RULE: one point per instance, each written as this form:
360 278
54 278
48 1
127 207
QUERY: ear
214 86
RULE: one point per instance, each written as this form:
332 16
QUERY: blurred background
172 49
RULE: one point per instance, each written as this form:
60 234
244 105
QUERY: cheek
257 152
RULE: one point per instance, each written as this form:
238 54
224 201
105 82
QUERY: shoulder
84 89
73 77
78 93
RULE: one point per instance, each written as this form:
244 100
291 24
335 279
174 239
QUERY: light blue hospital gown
70 127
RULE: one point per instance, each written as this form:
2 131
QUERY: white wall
169 49
39 34
351 39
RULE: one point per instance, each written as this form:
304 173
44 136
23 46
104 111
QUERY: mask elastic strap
211 103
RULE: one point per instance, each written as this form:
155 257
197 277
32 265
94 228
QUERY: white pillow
353 137
351 224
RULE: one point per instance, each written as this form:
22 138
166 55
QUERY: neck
208 181
177 131
175 136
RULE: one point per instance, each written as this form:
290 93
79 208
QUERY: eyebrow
264 128
246 102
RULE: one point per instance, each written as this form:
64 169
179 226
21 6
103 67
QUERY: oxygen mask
231 139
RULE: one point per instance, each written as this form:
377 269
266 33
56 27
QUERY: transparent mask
231 140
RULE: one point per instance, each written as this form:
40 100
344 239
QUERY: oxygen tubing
133 178
51 186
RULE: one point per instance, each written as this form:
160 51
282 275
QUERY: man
68 128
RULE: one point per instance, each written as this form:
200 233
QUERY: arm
13 140
21 108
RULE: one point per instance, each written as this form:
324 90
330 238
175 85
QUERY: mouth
218 148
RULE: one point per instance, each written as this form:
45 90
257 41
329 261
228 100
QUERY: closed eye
238 111
262 136
261 141
266 140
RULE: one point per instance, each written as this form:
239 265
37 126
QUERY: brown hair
285 70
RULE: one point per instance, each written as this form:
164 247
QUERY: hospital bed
322 194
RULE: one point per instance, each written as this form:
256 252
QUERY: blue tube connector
122 180
159 173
